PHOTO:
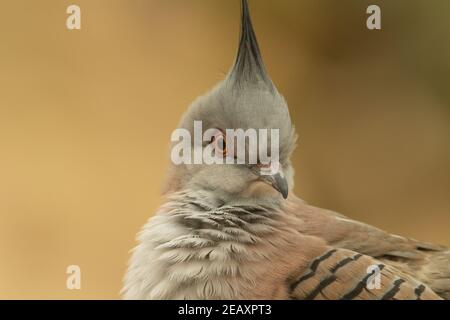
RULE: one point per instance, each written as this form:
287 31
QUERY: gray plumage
226 232
249 66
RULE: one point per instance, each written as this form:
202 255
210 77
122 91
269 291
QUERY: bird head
246 100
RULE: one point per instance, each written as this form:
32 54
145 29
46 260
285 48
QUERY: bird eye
220 144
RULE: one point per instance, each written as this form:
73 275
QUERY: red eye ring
220 144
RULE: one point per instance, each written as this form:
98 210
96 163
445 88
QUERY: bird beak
278 182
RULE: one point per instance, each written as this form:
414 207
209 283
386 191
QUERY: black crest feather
249 66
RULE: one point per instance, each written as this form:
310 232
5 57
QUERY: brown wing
340 274
342 232
425 262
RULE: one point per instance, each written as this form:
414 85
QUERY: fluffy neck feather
194 250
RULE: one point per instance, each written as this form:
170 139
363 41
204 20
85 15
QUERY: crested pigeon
231 232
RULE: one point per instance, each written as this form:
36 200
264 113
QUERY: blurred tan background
86 116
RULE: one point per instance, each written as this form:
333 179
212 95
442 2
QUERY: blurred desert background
86 117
